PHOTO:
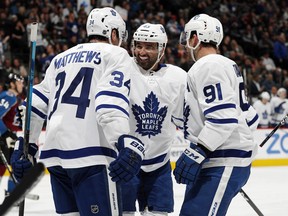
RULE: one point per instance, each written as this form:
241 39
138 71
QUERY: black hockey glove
10 134
128 163
21 165
189 165
8 138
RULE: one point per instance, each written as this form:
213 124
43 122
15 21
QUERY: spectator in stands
3 46
255 87
267 61
265 43
273 92
268 82
19 68
46 59
18 40
236 47
263 24
7 66
250 38
280 51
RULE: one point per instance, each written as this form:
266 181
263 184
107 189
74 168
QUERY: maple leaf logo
150 119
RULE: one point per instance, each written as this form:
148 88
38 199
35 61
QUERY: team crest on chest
149 118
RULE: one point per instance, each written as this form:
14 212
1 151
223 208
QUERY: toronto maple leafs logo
150 119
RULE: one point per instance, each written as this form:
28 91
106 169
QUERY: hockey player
279 107
263 108
217 163
9 119
84 97
156 101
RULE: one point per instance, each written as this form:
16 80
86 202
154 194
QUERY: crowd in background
255 34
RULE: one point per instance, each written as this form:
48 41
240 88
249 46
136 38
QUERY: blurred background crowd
255 34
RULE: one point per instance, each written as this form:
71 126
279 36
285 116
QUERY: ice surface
267 187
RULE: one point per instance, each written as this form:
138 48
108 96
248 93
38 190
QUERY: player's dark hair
209 44
100 37
97 37
12 77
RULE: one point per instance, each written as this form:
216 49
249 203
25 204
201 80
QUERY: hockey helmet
281 92
12 77
101 21
153 33
207 28
265 95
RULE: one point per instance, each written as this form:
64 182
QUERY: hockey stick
4 160
282 122
23 188
33 39
251 203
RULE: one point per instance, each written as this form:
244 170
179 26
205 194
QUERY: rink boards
273 153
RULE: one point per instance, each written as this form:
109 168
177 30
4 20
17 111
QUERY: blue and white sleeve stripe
223 108
113 100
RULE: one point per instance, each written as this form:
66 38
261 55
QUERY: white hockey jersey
216 112
264 112
279 109
84 97
156 101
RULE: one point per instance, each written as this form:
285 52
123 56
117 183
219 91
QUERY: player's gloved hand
128 163
189 164
21 165
8 138
10 134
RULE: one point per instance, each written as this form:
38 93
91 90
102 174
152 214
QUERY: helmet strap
160 55
192 49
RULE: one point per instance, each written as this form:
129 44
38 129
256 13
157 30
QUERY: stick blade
24 187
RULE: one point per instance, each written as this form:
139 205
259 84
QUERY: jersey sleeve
177 113
252 118
217 100
112 96
39 107
7 100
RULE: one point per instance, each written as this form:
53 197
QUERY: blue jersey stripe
36 111
219 107
178 119
112 94
40 95
223 121
253 120
78 153
230 153
39 113
111 106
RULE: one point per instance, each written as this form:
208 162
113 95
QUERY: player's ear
193 41
114 37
